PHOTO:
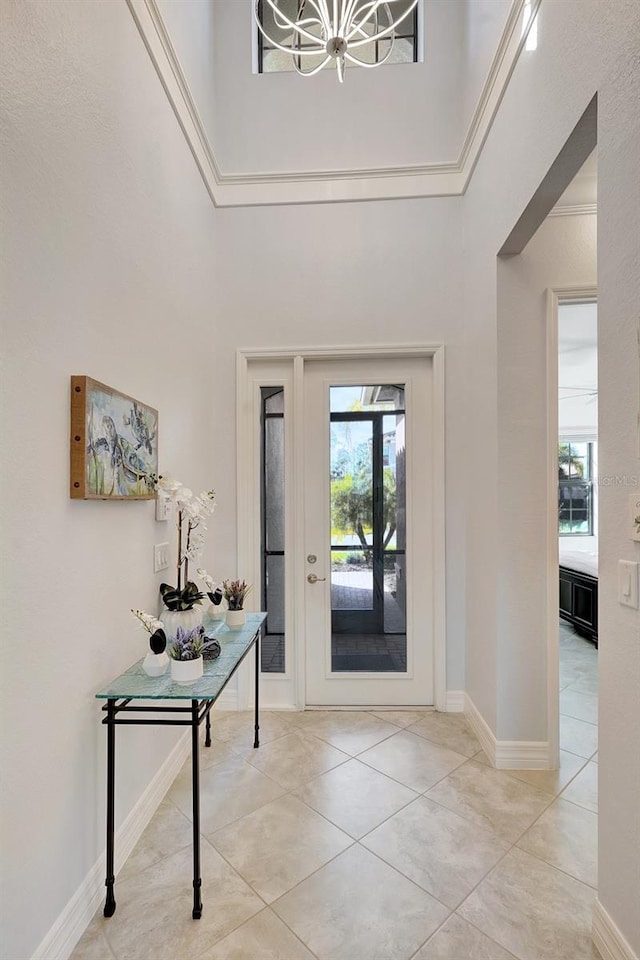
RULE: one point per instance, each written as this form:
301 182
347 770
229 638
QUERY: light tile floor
370 836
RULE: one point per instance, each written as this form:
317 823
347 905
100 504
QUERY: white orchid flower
169 487
207 499
185 496
208 580
151 624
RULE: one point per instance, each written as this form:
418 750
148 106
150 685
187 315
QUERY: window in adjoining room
575 488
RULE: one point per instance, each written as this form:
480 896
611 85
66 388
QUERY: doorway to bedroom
577 324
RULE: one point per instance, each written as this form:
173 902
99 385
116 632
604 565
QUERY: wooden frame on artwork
114 444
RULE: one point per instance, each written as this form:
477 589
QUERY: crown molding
228 189
502 66
574 210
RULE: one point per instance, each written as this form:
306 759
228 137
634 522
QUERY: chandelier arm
278 14
320 7
362 16
365 36
369 66
291 50
299 23
382 33
360 26
309 73
347 13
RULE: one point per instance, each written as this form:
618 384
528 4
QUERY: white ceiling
393 116
399 130
583 189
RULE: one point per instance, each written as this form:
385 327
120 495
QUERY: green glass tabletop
234 644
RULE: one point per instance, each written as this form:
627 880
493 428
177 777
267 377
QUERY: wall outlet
628 583
163 508
160 557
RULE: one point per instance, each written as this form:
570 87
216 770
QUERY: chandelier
335 30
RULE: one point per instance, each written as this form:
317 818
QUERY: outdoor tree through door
367 524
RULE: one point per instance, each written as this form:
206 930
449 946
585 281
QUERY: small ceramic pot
236 619
172 619
186 671
213 615
155 664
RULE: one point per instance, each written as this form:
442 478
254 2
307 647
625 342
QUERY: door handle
313 579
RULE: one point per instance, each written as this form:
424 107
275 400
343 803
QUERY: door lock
313 579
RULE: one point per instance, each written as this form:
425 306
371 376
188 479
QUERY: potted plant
186 655
191 512
235 593
156 661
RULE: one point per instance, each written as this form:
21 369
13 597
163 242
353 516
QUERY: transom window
272 60
575 488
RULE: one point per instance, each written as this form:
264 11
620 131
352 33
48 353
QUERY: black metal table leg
207 737
110 902
256 740
195 769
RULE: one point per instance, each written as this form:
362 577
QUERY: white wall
351 274
582 48
484 21
619 452
562 253
108 237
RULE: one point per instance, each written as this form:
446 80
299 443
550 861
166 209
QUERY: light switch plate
160 557
163 508
628 583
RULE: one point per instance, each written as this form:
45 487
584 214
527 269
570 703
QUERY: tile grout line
463 816
290 792
265 909
338 827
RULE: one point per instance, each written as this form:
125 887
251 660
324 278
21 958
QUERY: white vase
186 671
236 619
172 619
155 664
213 615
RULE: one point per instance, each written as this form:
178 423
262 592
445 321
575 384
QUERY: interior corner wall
107 246
583 49
562 253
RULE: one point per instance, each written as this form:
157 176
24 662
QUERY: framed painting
114 444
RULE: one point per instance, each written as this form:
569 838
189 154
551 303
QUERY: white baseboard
522 755
481 728
228 700
507 754
59 942
454 701
608 939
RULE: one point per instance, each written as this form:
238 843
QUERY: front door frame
248 506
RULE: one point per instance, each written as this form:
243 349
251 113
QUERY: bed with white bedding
579 590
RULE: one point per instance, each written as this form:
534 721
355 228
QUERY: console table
201 695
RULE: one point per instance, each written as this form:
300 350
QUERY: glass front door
368 528
368 557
